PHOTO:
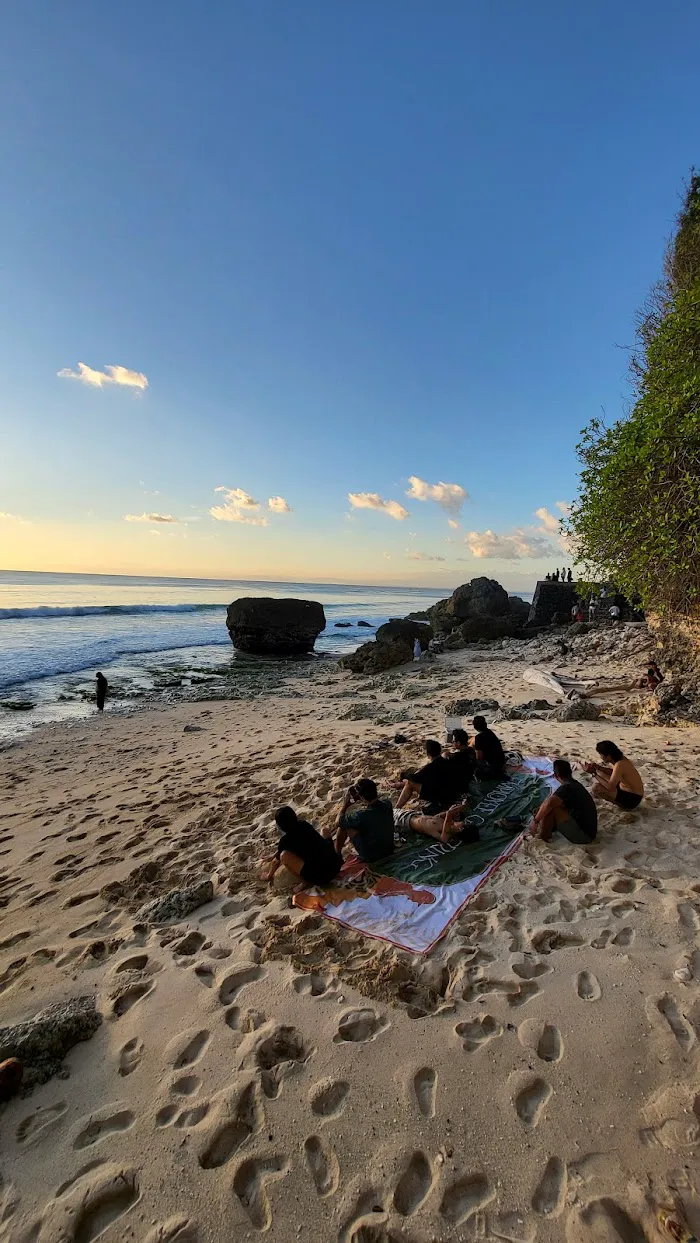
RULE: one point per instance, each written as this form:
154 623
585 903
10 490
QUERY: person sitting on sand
433 783
303 851
570 810
488 749
369 826
618 781
653 677
461 760
445 825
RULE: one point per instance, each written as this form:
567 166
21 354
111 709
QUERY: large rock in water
266 627
405 628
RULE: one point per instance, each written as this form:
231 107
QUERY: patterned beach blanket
411 898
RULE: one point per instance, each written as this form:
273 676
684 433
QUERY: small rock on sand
42 1042
175 905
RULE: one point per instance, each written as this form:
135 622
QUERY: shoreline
419 1097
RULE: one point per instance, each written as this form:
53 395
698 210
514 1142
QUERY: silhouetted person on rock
569 576
102 688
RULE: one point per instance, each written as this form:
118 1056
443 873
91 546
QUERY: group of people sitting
370 823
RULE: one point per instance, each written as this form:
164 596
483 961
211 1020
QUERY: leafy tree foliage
636 521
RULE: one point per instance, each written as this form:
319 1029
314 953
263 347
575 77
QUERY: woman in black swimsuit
618 781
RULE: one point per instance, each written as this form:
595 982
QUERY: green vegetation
636 521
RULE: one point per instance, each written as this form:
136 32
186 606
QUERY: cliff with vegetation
636 521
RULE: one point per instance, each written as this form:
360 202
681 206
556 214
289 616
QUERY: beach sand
258 1069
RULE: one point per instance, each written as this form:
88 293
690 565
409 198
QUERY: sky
324 291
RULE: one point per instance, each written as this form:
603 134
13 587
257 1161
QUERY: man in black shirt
462 762
490 756
570 810
433 783
303 851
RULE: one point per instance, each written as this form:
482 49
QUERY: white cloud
514 547
239 506
150 518
5 517
112 374
423 556
278 505
451 523
372 500
451 496
550 522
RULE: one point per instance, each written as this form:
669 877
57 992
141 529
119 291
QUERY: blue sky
347 244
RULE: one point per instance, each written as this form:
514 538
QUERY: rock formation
478 610
266 627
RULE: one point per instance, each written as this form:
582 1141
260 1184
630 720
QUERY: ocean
57 630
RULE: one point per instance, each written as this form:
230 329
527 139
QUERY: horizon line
326 582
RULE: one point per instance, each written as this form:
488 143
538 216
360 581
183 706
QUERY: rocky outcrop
404 628
374 657
577 710
266 627
478 610
393 646
174 906
470 707
41 1043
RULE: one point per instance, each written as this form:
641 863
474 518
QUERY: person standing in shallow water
102 688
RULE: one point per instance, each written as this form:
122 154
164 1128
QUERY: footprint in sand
38 1124
329 1097
128 997
244 1020
478 1032
359 1026
587 987
174 1230
315 985
130 1056
323 1165
530 970
190 944
531 1100
624 938
136 963
424 1089
466 1196
90 1204
414 1185
682 1030
512 1227
205 974
550 1196
187 1085
283 1051
249 1185
15 939
235 980
187 1048
230 1133
107 1124
605 1220
550 1046
549 939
